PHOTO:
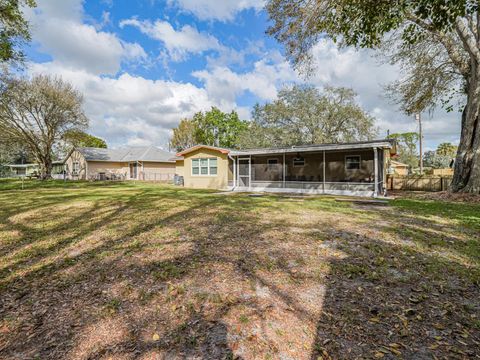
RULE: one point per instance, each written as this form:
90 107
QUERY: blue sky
143 65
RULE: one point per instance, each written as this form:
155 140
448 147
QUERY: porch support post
250 172
234 173
283 171
375 165
324 171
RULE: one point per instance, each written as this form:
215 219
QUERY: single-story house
349 168
30 170
398 168
22 170
127 163
442 172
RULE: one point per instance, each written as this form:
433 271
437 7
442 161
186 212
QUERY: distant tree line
300 115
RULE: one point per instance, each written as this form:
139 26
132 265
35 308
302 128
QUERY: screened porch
350 172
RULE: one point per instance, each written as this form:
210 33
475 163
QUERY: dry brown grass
149 271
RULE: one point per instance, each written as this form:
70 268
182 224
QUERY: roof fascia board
381 144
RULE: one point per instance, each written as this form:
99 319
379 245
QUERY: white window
352 162
75 167
212 166
204 166
298 162
272 163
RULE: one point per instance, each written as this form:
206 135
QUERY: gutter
234 172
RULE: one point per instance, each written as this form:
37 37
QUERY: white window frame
75 169
272 166
200 166
359 162
298 158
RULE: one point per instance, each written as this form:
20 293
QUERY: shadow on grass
171 273
407 288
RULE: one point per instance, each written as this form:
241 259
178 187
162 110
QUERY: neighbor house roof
397 164
125 154
21 166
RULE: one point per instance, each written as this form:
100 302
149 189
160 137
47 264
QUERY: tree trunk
46 168
466 176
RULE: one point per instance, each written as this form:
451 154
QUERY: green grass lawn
145 271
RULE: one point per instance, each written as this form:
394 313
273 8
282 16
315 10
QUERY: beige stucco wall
219 181
90 169
76 156
179 167
157 171
107 167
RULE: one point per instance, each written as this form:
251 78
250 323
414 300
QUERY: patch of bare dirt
439 196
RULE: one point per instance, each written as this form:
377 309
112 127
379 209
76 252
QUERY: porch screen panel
267 168
243 168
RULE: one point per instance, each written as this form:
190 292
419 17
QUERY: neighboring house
31 170
349 168
442 172
128 163
23 170
398 168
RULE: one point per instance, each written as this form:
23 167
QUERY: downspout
234 172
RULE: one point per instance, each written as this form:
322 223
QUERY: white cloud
179 43
264 80
223 10
59 30
131 109
362 72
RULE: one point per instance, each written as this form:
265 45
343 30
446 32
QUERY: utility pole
420 135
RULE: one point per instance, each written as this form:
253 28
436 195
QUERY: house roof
124 154
196 147
21 166
385 144
397 164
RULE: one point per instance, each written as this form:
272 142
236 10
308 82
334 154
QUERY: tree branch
468 39
448 43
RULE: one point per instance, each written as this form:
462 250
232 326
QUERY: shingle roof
383 143
200 146
134 153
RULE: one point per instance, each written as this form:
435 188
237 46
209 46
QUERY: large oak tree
305 115
39 113
436 43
